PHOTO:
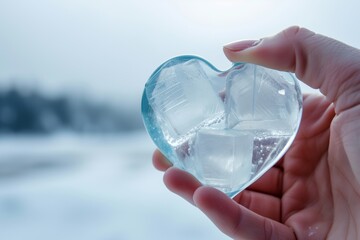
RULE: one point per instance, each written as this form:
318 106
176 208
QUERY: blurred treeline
29 111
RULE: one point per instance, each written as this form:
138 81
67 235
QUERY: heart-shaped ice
226 128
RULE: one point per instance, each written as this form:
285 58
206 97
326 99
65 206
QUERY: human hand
313 192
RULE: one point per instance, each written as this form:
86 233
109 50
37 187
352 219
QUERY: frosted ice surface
256 99
184 98
223 158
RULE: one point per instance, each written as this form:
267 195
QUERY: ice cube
184 98
223 158
256 96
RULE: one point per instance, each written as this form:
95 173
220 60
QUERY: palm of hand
303 192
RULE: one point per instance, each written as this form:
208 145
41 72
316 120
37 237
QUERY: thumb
320 62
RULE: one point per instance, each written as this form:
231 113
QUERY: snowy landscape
69 186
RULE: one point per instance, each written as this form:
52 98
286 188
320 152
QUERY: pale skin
313 192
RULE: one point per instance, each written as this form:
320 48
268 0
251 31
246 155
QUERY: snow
90 187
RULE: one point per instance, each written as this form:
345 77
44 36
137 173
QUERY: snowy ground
90 187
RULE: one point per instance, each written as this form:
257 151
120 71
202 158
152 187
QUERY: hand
314 190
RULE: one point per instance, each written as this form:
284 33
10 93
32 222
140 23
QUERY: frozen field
90 187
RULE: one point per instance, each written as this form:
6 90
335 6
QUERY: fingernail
242 45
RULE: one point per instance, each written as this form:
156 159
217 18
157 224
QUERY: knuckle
297 32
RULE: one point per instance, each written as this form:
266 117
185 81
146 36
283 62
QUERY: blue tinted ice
225 128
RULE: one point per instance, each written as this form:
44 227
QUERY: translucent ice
184 99
257 99
223 158
226 128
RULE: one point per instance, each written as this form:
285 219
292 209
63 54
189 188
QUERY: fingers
260 203
182 183
270 183
176 180
256 222
235 220
318 61
159 161
317 116
284 51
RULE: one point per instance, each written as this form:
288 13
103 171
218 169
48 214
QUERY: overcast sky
108 48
